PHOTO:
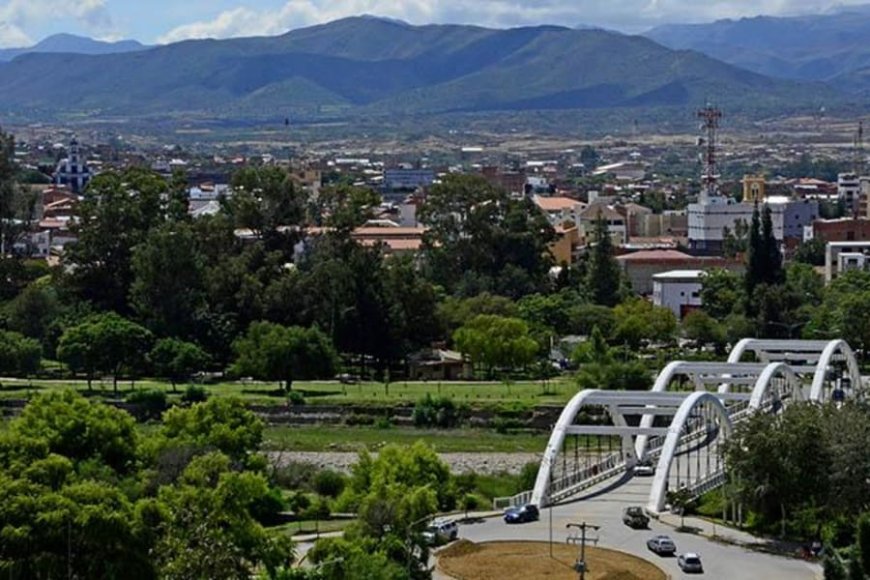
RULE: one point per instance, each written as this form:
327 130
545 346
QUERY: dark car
519 515
634 517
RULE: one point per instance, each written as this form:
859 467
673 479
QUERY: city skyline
25 22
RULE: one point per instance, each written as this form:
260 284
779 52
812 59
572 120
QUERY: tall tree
603 277
167 288
177 360
496 342
115 215
17 205
106 343
480 239
276 353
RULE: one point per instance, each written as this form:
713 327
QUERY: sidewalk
728 535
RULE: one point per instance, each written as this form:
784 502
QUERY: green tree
637 321
34 310
17 204
603 277
811 252
266 201
19 355
764 259
862 543
209 531
721 293
167 289
276 353
703 329
177 360
106 343
114 216
496 342
480 239
222 424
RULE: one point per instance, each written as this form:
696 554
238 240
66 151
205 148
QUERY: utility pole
580 566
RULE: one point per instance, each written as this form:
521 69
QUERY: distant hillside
69 43
371 65
819 48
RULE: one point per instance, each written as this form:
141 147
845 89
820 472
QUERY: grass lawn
555 391
339 438
312 526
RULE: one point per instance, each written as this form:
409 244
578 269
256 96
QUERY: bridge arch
809 358
715 411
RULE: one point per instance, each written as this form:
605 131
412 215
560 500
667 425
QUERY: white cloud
630 15
13 37
19 15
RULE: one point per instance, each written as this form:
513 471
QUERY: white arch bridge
680 425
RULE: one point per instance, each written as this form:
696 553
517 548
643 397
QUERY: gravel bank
483 463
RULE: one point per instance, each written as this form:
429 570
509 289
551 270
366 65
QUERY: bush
267 509
194 394
152 402
504 425
329 483
357 419
384 423
294 475
439 412
295 398
298 503
528 475
19 355
318 510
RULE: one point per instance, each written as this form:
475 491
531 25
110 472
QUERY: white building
708 222
678 290
73 172
844 256
849 190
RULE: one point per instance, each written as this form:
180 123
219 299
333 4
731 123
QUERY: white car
645 468
441 532
690 562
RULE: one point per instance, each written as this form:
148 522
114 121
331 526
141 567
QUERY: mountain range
830 47
70 43
366 65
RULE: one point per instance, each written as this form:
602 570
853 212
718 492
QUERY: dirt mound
527 560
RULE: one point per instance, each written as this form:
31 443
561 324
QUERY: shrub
329 483
317 510
295 398
439 412
194 394
298 503
528 475
294 475
267 509
152 402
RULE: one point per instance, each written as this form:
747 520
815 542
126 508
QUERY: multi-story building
849 190
73 172
844 256
678 290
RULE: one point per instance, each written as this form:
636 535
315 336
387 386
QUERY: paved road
605 509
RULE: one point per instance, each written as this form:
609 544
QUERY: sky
24 22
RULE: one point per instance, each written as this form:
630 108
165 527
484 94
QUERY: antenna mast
710 117
859 149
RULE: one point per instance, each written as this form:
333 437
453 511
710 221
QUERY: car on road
645 467
634 517
441 532
690 562
519 515
662 545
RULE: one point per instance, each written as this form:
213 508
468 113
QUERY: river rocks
481 463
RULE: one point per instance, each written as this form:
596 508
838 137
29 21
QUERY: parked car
441 532
634 517
690 562
518 515
662 545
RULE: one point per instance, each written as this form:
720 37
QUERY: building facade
678 290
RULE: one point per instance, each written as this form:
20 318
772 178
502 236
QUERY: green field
337 438
555 391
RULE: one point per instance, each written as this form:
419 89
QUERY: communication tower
710 117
